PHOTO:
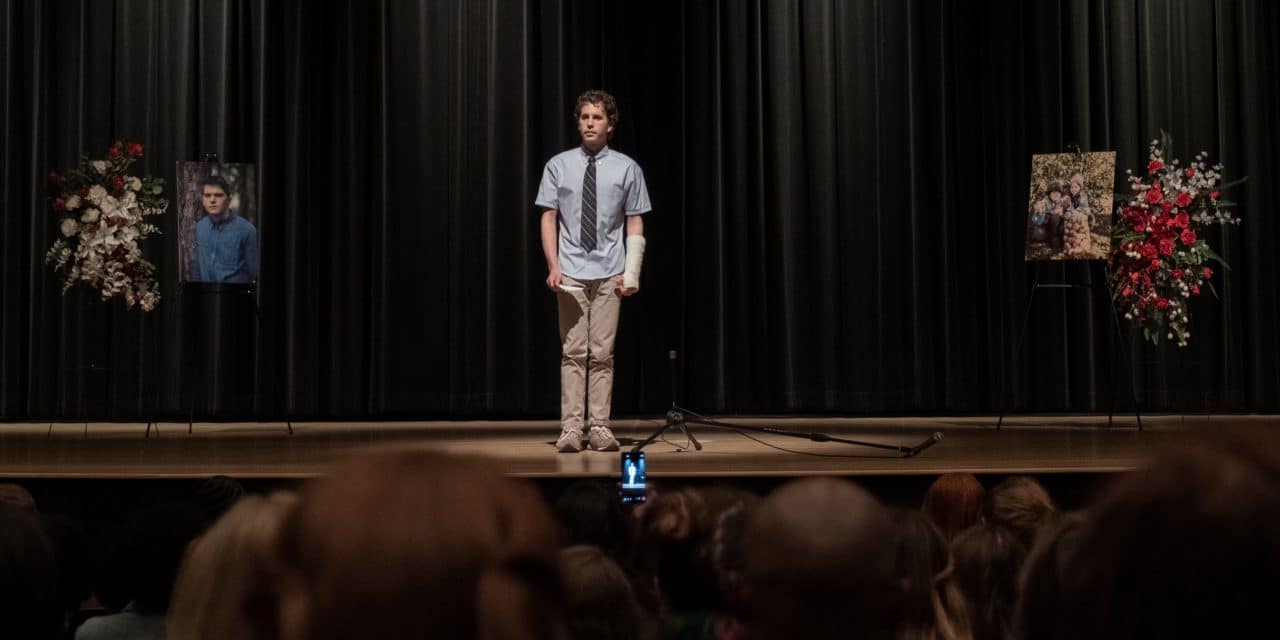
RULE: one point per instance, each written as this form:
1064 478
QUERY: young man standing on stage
586 195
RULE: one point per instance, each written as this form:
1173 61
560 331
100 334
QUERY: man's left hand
625 291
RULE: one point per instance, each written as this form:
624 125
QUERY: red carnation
135 149
117 183
1147 250
59 204
1207 273
1166 246
1191 171
1183 220
1155 264
1167 206
114 150
1176 273
1195 290
1184 199
1213 194
1162 303
1154 166
84 191
1126 292
1133 276
1154 195
1188 237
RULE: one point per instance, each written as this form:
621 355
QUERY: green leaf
1204 248
1212 290
1166 144
1233 183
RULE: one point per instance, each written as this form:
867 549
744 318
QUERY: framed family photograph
1069 208
218 223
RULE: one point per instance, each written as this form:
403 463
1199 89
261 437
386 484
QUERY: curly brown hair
604 100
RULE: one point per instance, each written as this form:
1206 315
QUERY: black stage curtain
839 187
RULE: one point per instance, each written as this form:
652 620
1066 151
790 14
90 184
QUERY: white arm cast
635 258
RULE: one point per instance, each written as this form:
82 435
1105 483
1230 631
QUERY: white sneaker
570 441
601 439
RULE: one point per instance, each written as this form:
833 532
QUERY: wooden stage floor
1026 444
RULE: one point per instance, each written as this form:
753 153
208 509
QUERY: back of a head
215 495
691 540
988 559
1039 611
589 513
224 588
954 503
145 552
418 544
819 563
1023 505
1186 548
932 607
70 544
28 592
601 602
17 497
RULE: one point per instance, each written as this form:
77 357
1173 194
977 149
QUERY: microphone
933 439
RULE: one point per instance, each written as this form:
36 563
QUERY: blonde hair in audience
224 588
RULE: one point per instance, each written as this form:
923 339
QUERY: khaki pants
588 325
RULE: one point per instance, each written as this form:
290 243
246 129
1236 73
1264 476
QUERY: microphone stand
678 418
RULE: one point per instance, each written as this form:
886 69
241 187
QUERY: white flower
72 202
100 166
96 194
90 215
69 227
135 184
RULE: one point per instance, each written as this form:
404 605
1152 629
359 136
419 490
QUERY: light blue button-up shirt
227 250
620 192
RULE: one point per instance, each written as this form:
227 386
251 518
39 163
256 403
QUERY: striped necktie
588 233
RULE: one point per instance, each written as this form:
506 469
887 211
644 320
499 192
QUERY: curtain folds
839 193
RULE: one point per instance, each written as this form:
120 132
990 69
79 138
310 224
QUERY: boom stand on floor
678 418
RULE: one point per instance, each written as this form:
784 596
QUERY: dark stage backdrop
839 192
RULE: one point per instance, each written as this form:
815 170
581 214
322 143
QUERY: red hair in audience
954 503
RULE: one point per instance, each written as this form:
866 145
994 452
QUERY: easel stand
678 418
1117 338
221 291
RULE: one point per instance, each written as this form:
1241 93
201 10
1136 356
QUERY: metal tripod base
675 419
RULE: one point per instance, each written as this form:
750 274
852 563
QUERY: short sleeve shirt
620 192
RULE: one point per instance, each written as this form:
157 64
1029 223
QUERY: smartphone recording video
632 487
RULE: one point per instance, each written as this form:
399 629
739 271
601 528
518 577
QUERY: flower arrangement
102 211
1159 257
